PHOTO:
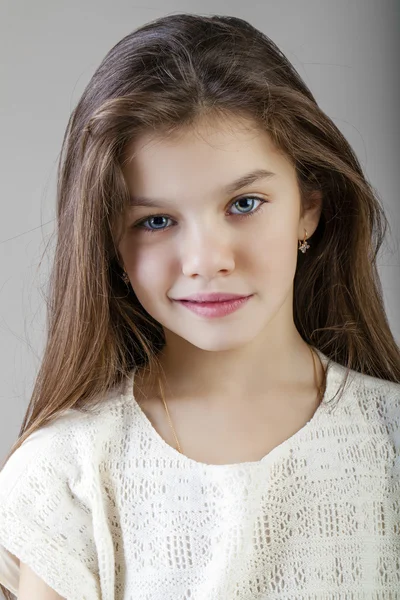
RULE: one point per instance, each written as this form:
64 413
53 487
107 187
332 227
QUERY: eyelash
140 224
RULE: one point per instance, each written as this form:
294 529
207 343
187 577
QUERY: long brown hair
164 76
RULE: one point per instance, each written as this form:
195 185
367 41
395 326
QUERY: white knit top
101 507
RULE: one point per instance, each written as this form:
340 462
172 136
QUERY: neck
252 373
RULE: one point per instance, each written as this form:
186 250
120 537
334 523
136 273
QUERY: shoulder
372 390
73 443
377 392
51 499
378 401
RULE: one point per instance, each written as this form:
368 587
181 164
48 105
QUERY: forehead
207 156
206 138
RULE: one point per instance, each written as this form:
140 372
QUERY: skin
253 364
32 587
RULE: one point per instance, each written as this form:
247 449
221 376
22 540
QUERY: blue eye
141 224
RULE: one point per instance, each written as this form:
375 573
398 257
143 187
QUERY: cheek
275 253
274 269
149 272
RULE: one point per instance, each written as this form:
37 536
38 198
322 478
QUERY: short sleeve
43 521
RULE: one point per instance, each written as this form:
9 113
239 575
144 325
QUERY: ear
311 215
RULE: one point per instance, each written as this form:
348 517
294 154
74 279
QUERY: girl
217 411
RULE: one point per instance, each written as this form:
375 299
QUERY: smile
215 309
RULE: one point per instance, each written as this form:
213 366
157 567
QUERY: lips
213 297
215 309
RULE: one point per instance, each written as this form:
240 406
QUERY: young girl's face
200 237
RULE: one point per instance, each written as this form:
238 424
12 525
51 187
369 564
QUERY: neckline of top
334 376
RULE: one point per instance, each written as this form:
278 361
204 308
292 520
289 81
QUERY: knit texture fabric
101 507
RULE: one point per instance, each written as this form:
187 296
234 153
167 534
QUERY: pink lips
216 308
212 297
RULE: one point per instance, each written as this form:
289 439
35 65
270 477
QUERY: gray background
346 51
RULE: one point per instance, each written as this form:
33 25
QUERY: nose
207 251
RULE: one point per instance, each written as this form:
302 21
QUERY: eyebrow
232 187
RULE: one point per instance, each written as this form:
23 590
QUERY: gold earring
125 278
304 245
